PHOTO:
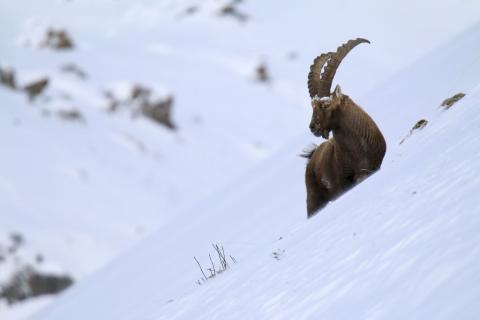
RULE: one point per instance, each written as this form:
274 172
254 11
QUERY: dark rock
261 73
113 102
188 11
231 10
28 283
57 39
447 103
159 111
420 124
35 88
142 101
17 239
140 92
71 115
7 78
191 10
75 70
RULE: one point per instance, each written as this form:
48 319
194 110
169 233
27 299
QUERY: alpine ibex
357 147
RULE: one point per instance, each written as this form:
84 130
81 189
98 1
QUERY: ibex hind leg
362 175
315 204
317 196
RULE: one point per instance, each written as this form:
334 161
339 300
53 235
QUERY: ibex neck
353 130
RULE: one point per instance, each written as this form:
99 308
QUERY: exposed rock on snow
75 70
57 39
36 88
447 103
231 10
7 78
159 110
28 283
261 73
418 126
71 115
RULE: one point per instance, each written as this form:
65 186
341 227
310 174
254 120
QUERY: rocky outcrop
28 283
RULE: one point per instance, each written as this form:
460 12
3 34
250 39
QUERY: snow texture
124 204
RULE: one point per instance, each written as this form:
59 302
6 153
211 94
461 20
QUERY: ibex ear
338 92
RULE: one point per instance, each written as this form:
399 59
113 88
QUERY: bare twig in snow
200 267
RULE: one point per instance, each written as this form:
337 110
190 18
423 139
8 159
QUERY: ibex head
324 103
323 120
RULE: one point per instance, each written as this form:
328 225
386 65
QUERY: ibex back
357 147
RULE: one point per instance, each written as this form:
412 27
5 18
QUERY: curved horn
321 83
315 74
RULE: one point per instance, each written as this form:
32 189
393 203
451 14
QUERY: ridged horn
315 74
320 83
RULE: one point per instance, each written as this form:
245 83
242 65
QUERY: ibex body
357 147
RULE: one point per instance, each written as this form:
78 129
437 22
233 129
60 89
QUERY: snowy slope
402 245
82 192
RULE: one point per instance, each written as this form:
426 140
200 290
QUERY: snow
403 244
407 249
124 204
317 98
26 310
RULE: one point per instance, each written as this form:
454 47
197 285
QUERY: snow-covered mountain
401 245
83 191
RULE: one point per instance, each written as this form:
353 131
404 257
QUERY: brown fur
355 151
